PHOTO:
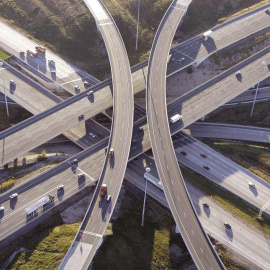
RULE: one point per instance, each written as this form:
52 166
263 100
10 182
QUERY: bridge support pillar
24 161
177 230
15 162
6 166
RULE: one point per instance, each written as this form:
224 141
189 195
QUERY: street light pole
1 65
263 64
138 21
147 170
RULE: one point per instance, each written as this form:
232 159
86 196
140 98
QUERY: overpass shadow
209 45
129 245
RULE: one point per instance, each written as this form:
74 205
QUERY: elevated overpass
192 232
98 214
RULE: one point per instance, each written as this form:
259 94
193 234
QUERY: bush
43 156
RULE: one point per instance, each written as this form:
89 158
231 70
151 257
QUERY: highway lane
228 131
36 99
90 162
98 214
138 77
244 240
67 75
222 171
196 240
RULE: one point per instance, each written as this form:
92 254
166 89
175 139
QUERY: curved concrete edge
213 261
79 251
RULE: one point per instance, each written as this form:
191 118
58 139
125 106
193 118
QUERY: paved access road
229 131
98 215
196 240
66 74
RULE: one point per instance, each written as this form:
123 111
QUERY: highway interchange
95 101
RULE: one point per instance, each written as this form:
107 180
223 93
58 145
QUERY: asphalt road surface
229 131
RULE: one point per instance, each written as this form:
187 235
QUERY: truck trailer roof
33 207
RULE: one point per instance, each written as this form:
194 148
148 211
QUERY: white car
2 208
77 87
92 135
60 187
182 59
12 82
251 184
14 195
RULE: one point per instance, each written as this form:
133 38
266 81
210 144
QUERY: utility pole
138 22
148 170
263 64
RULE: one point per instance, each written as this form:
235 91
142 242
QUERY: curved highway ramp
99 212
197 242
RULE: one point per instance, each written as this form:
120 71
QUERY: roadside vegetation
228 201
3 55
240 115
16 115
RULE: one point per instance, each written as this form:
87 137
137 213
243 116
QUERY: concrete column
6 166
24 161
15 162
177 230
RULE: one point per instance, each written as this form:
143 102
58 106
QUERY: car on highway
109 198
77 87
51 62
92 135
111 152
2 208
238 73
75 160
81 116
227 225
182 59
140 129
206 167
90 93
81 175
183 153
60 187
12 82
86 83
254 92
251 184
206 205
203 155
14 195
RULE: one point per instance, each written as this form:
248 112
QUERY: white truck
40 203
175 118
206 35
155 181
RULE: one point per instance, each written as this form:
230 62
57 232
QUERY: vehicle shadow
207 211
13 203
254 191
91 98
12 88
112 162
60 194
229 233
81 182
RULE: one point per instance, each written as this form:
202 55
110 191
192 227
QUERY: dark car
183 153
203 155
81 117
205 205
206 167
227 225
